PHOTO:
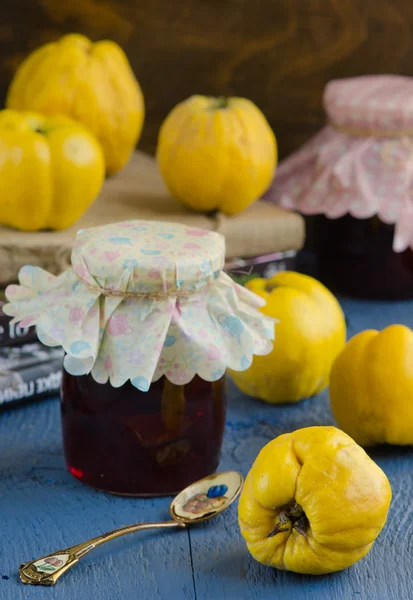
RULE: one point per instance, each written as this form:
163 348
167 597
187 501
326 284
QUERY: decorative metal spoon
200 501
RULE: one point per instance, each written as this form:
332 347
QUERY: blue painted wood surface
42 508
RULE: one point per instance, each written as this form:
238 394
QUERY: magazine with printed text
29 372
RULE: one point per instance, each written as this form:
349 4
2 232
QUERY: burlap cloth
138 192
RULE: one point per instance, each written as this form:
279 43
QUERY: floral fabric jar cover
361 163
144 299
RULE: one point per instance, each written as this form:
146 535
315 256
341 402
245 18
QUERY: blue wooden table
42 508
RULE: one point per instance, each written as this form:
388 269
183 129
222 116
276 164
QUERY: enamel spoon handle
48 569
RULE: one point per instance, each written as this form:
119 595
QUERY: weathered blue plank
43 508
222 565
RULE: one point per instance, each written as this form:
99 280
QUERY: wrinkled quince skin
90 82
313 502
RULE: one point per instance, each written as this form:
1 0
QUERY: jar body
356 257
128 442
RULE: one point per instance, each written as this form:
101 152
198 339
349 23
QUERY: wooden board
138 192
43 508
279 53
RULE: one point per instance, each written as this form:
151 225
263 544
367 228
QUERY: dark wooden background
279 53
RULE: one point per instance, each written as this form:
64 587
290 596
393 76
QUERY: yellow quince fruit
313 502
371 387
217 153
51 170
92 83
310 333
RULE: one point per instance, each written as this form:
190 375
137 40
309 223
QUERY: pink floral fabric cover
361 163
144 299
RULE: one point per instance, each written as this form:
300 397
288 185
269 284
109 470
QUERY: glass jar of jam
149 323
130 442
356 177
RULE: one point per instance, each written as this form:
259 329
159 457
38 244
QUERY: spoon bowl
206 498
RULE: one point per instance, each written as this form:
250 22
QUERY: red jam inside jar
129 442
356 257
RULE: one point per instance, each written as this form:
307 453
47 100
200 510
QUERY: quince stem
294 514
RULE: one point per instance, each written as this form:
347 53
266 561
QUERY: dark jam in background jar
128 442
356 257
